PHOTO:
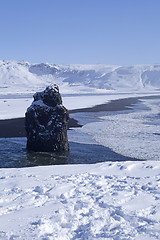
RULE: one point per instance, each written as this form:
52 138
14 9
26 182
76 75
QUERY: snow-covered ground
100 201
110 200
15 106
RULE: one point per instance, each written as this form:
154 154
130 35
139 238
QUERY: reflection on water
13 154
41 158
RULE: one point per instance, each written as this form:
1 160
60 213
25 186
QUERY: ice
140 131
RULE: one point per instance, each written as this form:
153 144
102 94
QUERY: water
13 154
84 150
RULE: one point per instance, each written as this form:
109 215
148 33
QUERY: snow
23 77
139 129
14 108
109 200
100 201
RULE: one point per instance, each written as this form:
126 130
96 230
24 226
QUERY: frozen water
130 133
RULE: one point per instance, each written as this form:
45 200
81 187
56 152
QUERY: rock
46 122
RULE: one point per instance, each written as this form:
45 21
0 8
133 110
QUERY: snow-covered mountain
25 77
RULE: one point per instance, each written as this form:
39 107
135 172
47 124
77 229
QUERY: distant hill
23 77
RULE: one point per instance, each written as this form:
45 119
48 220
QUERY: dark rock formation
46 122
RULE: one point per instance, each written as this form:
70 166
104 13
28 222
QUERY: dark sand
16 127
114 105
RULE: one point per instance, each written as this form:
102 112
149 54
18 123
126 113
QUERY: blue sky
122 32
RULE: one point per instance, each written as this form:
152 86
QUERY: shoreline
16 127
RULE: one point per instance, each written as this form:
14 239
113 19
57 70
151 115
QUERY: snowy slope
26 77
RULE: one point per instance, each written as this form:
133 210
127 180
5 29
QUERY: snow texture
101 201
133 133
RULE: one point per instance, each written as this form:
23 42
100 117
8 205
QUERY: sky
114 32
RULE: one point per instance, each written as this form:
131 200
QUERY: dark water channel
13 154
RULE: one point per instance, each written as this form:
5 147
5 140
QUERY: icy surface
134 133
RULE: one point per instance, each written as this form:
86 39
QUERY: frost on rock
46 122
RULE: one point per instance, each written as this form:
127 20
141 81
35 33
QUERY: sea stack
46 122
